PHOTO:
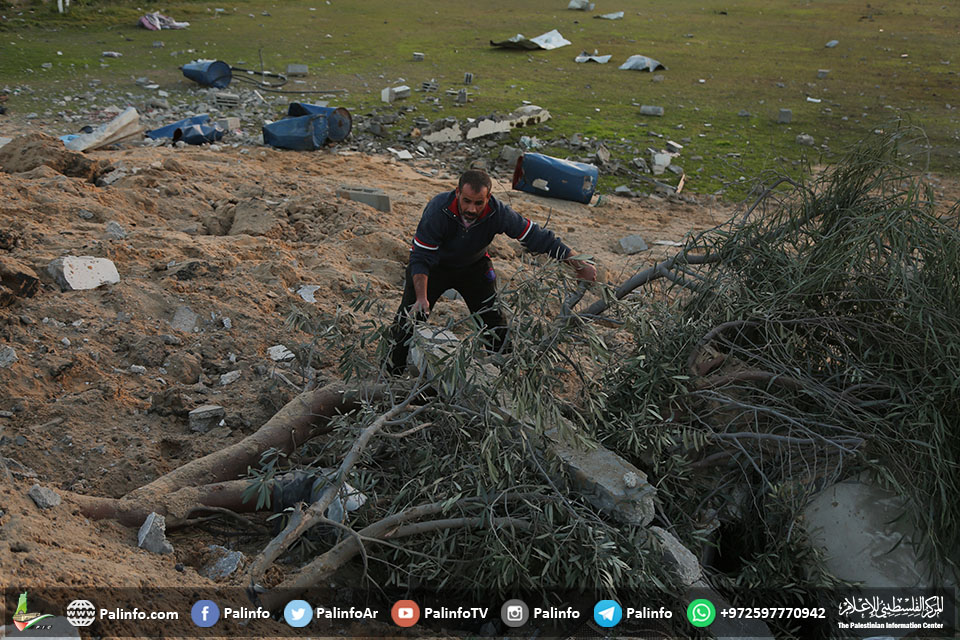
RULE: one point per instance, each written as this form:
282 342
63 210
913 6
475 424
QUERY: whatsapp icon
701 612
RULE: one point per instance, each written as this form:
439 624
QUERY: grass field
893 63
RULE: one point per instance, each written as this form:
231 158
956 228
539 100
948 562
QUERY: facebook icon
205 613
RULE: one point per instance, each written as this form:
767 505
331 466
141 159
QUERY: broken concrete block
224 99
229 377
225 563
77 273
651 110
389 94
510 155
822 73
376 198
152 536
297 70
677 558
418 56
462 96
625 191
785 116
184 319
467 78
674 147
229 124
43 497
805 140
206 417
429 86
633 244
660 161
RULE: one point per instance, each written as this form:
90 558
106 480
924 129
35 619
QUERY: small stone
279 353
651 110
7 357
633 244
116 230
184 320
805 140
743 113
785 116
227 323
138 369
229 377
43 497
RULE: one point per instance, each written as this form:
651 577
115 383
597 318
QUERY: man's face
472 202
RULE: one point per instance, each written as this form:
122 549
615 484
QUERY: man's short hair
477 179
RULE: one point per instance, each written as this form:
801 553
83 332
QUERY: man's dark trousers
477 283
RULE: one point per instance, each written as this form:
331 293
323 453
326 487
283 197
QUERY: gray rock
785 116
806 140
225 565
205 417
510 155
625 191
743 113
651 110
7 357
229 377
116 230
152 536
184 320
633 244
822 73
43 497
138 369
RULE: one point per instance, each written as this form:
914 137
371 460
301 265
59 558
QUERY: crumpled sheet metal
594 57
549 40
642 63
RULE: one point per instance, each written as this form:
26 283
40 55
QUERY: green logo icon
701 613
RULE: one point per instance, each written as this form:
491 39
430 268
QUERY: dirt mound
33 150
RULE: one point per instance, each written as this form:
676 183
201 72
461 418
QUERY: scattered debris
581 5
555 178
822 73
401 154
659 162
198 134
594 57
617 15
111 54
785 116
123 127
418 56
449 130
376 198
832 44
230 377
156 21
429 86
307 291
815 100
642 63
549 40
78 273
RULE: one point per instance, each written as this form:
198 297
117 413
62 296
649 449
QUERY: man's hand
420 308
585 270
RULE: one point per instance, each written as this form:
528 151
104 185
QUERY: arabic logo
24 619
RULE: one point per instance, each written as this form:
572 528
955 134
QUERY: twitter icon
298 613
607 613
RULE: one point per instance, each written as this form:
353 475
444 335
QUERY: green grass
741 56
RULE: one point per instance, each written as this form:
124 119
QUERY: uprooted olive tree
813 337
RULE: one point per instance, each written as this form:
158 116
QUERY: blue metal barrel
339 121
209 73
555 178
305 133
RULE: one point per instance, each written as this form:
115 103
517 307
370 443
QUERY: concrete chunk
677 558
225 564
77 273
152 536
651 110
805 140
785 116
389 94
184 319
205 417
376 198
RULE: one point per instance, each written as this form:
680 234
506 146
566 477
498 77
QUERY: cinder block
297 69
376 198
229 124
